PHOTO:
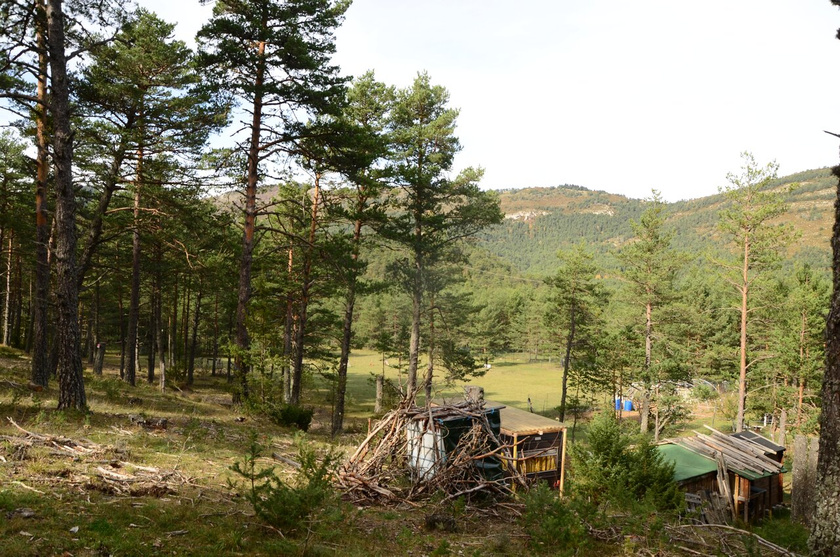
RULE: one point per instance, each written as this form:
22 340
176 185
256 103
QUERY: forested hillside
539 221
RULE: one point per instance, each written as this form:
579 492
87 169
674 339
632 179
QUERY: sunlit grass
511 380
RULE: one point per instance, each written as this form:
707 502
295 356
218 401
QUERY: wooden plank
723 484
747 460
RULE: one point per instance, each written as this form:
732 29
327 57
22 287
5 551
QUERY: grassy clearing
511 380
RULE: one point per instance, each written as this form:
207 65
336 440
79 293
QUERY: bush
619 468
292 507
553 524
289 415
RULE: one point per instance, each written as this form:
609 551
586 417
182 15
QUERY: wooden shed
752 468
538 443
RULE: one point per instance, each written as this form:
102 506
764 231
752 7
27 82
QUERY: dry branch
380 469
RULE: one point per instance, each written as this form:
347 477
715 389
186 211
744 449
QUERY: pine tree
274 58
574 313
747 222
432 211
650 266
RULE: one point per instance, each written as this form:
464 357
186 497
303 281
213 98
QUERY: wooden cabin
538 443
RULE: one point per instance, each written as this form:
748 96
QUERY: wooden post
723 485
563 463
515 463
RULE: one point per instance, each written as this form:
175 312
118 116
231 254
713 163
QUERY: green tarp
687 464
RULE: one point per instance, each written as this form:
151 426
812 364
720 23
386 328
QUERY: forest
244 216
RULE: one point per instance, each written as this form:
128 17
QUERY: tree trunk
647 380
40 304
196 314
783 427
173 326
134 304
243 341
97 301
567 358
347 335
644 411
303 303
151 335
122 329
7 332
418 285
802 380
657 418
89 347
18 303
161 350
287 338
825 526
380 387
742 377
430 369
185 324
70 381
215 333
414 339
99 358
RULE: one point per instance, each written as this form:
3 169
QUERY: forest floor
115 481
145 473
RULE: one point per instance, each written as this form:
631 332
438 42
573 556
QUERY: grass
511 380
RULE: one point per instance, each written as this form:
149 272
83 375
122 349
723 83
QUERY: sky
611 95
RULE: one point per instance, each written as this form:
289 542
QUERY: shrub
553 524
620 468
289 415
266 399
296 506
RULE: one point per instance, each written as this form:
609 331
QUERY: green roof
687 464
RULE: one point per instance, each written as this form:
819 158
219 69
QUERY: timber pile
379 470
738 454
135 480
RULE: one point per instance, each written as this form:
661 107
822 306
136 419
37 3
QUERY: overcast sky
608 94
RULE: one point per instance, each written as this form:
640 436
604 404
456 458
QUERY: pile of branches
381 471
135 480
100 466
58 445
720 539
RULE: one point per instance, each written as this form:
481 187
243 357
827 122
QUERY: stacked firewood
380 469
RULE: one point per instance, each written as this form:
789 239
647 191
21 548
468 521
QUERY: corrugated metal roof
760 439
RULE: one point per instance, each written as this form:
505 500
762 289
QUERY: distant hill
540 221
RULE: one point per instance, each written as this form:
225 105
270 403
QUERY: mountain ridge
542 220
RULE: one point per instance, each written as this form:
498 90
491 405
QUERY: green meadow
511 380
